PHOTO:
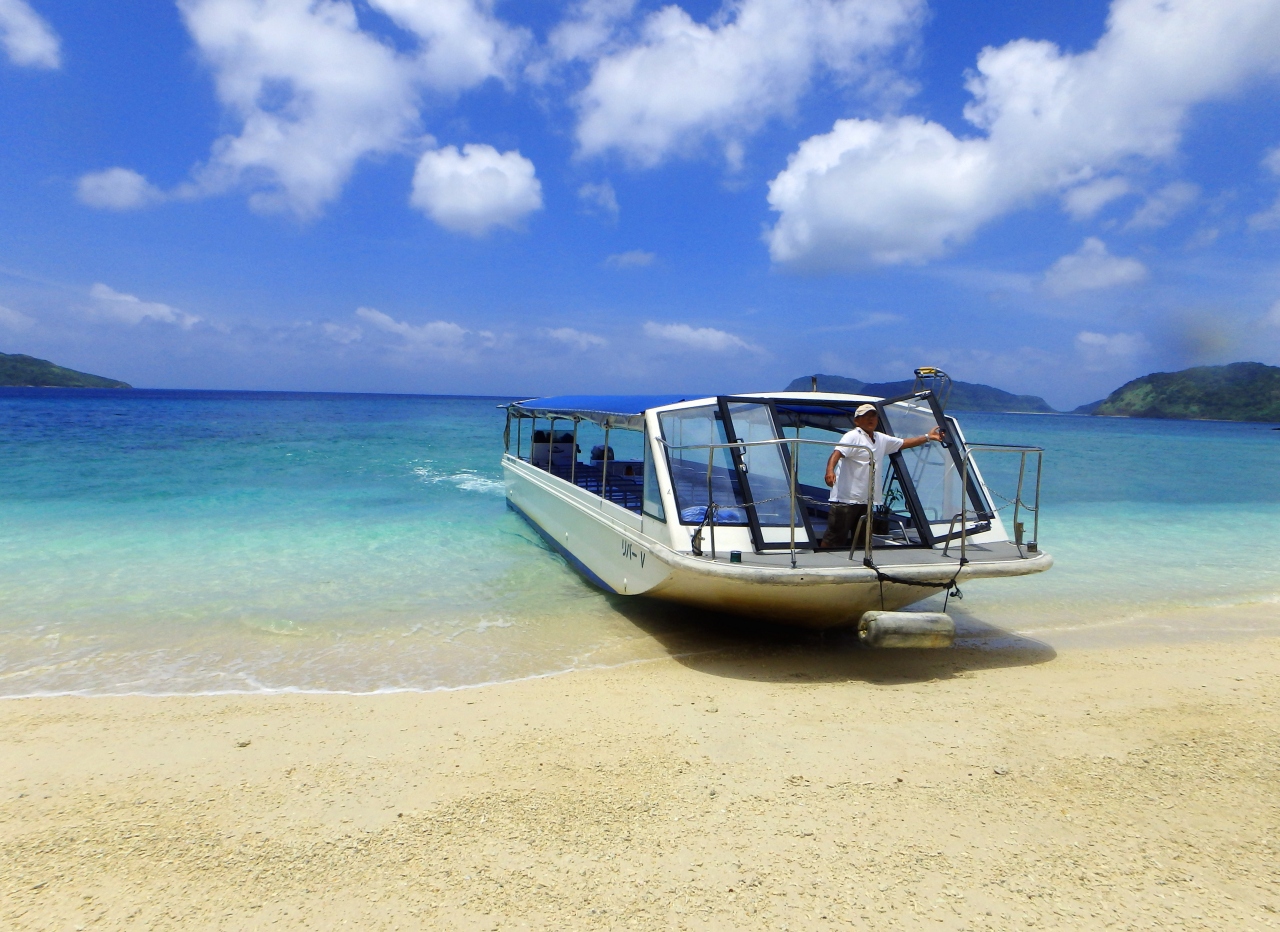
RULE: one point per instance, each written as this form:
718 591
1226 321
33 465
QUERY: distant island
19 371
1242 391
965 396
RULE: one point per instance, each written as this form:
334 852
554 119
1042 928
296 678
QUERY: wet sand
764 786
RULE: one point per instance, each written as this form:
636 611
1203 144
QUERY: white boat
718 502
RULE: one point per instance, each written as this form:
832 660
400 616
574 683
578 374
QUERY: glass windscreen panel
652 497
701 476
768 474
931 467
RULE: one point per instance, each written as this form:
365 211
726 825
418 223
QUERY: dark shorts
841 523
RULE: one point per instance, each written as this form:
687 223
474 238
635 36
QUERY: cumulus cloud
15 320
117 189
578 339
678 82
705 339
312 93
599 198
438 336
1160 208
133 310
461 42
634 259
904 189
588 29
1102 350
1092 267
27 39
1084 201
477 189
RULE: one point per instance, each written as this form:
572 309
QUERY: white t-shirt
852 467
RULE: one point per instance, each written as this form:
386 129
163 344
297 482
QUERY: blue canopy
626 411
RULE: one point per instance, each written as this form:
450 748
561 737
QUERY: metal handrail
1032 545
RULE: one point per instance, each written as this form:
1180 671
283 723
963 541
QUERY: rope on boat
950 585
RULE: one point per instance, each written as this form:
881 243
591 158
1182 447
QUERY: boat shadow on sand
745 648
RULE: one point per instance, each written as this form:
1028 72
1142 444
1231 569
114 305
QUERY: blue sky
495 197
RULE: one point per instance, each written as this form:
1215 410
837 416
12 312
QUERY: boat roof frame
628 411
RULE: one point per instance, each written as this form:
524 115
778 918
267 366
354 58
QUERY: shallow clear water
176 542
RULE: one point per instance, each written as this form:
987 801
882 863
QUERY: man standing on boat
848 472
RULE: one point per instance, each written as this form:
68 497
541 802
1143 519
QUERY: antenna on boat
931 378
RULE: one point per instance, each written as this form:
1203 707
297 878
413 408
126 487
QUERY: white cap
865 409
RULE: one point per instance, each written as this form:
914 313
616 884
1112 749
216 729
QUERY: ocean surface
168 542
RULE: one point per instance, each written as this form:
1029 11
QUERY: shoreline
762 786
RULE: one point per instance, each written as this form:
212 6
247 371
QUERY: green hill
19 370
965 396
1242 391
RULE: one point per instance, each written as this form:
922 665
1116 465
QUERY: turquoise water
180 542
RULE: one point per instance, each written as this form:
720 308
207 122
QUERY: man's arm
935 434
830 477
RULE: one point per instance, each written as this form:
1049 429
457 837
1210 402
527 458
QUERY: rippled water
177 542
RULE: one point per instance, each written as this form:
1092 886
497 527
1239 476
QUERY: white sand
767 788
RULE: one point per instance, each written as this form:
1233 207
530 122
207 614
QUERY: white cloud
1083 201
1203 238
578 339
906 190
1268 219
1272 317
1160 208
1271 160
1090 268
439 336
705 339
1101 350
599 198
340 334
117 189
586 31
679 82
462 44
634 259
312 93
27 39
877 319
477 189
133 310
15 320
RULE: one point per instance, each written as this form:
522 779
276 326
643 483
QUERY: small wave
466 480
281 626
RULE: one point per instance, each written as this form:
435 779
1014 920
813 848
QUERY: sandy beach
767 786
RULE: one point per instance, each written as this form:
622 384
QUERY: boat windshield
701 476
768 473
931 467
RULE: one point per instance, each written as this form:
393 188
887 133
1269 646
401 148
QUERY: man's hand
936 434
830 477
